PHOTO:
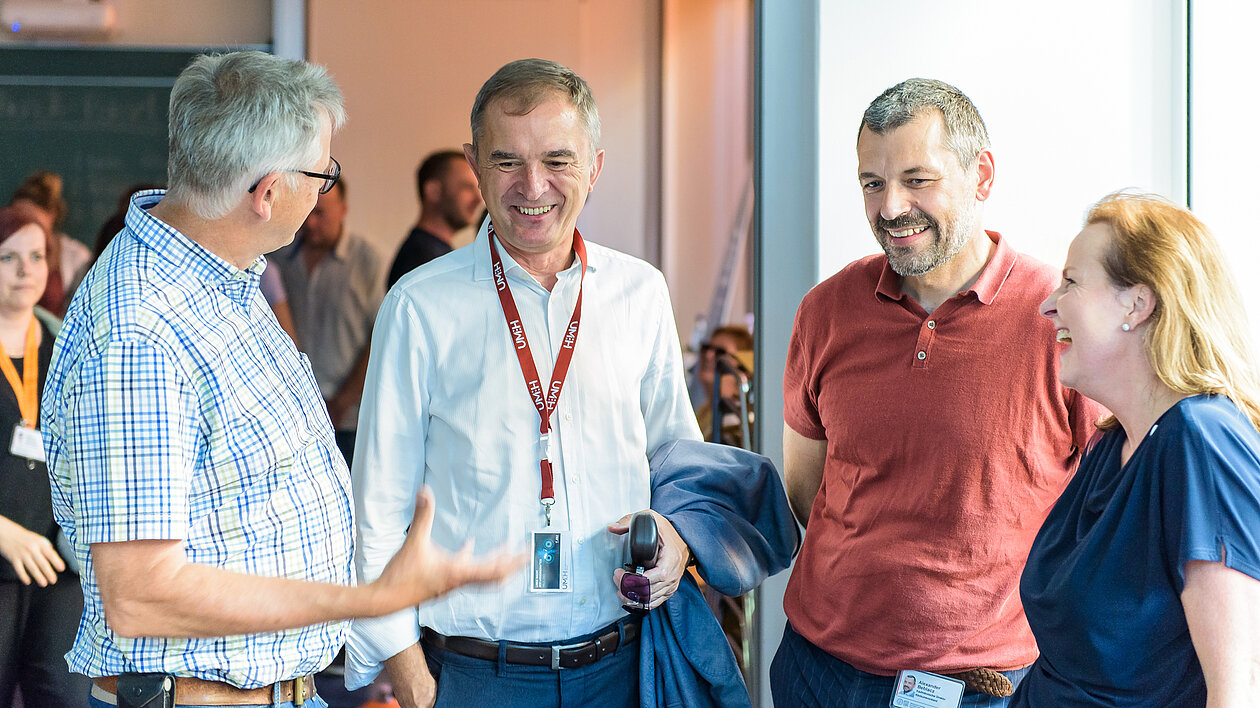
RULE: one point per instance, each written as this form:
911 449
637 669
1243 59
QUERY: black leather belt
558 656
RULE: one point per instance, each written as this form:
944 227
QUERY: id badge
551 565
27 443
923 689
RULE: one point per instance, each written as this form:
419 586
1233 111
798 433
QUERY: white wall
1081 98
1223 106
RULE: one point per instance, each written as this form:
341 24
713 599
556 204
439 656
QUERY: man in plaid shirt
193 464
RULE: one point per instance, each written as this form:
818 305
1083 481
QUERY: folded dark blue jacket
730 507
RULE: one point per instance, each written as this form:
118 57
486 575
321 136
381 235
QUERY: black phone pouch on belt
146 691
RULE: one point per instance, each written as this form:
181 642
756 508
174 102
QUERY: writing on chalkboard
95 116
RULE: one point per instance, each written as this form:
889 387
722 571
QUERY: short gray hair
527 83
236 117
965 134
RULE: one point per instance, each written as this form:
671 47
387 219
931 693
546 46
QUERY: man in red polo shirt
927 434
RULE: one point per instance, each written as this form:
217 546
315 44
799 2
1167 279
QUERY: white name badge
27 443
551 561
922 689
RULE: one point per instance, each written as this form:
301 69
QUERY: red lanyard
25 387
546 405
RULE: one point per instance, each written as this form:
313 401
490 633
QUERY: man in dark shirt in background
449 201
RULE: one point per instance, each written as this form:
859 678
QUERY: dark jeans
804 675
37 628
612 682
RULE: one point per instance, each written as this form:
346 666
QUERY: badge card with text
551 562
921 689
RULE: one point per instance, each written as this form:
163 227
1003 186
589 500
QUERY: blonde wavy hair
1198 341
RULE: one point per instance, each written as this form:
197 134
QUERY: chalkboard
95 116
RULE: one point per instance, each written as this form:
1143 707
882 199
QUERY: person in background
67 258
729 343
449 201
926 434
40 597
1143 585
333 281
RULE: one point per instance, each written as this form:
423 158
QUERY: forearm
801 494
203 601
149 589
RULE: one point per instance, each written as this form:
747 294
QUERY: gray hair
526 83
235 118
965 134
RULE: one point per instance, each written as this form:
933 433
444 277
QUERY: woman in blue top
1141 586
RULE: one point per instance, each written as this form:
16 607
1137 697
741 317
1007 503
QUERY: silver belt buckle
557 648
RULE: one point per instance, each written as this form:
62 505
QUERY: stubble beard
454 217
950 237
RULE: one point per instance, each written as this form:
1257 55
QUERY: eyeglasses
329 179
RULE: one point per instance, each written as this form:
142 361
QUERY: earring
1125 327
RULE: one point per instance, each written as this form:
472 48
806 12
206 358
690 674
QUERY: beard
455 217
949 238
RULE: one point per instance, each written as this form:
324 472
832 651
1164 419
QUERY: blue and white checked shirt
176 408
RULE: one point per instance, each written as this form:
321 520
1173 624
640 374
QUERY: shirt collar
183 253
482 270
986 287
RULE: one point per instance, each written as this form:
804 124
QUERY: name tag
923 689
551 566
27 443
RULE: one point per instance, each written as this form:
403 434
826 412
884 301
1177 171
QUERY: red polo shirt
949 438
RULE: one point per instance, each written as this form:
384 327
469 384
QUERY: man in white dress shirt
527 379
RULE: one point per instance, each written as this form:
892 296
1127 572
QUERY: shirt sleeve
667 412
388 471
800 394
130 432
1212 501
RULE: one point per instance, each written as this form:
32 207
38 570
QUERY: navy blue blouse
1102 588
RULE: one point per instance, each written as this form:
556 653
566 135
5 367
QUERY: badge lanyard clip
548 498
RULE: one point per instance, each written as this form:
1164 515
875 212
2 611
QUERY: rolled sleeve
130 435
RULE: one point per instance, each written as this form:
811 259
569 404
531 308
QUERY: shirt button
580 540
922 356
568 416
582 601
931 324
